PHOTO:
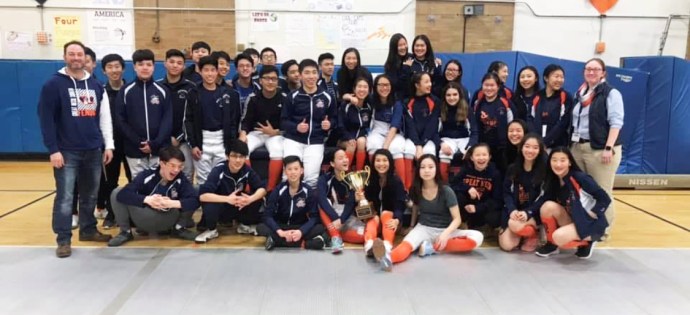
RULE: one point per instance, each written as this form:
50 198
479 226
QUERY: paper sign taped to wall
264 21
18 41
66 28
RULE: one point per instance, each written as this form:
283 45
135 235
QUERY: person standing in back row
74 115
597 121
143 115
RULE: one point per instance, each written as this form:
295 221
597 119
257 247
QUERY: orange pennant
603 5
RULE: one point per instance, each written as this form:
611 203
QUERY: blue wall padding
679 127
10 105
633 86
657 112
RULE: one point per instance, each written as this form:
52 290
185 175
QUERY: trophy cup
357 180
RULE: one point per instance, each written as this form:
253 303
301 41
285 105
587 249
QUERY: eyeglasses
593 70
174 166
270 79
237 156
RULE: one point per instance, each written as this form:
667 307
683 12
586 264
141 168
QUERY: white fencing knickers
411 150
138 165
274 144
311 156
377 136
213 152
459 144
188 169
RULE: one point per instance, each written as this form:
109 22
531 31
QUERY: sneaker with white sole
585 251
378 249
206 236
426 249
75 221
547 250
247 229
100 213
368 245
336 245
386 261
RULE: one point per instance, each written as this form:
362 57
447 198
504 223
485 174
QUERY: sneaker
187 223
585 252
100 213
206 236
270 244
426 249
387 262
368 245
108 224
529 244
75 221
247 229
547 250
120 239
336 245
315 243
378 249
183 234
94 237
63 251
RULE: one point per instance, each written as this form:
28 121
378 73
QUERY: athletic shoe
75 221
547 250
187 223
108 224
120 239
315 243
585 251
183 234
386 261
336 245
367 248
426 249
270 244
247 229
206 236
378 249
100 213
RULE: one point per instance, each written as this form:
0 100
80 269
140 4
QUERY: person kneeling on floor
235 188
291 215
156 200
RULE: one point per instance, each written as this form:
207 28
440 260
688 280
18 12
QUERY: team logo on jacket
182 94
365 118
301 203
173 193
154 100
226 99
487 121
319 104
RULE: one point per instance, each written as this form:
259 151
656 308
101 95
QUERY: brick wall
179 29
442 21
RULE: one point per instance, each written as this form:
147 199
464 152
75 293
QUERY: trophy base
364 212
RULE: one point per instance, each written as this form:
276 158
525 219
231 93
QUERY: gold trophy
357 180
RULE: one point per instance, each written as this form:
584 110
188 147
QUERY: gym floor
642 269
